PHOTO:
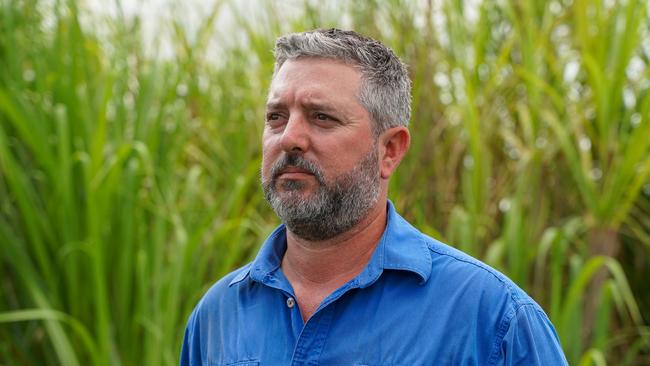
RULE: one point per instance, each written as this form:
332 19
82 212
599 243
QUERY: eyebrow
322 106
317 105
274 105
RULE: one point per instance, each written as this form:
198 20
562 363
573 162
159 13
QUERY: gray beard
334 208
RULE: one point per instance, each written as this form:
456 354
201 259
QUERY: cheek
270 145
269 156
266 166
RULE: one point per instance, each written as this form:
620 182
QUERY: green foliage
129 182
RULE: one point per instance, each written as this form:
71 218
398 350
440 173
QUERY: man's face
320 168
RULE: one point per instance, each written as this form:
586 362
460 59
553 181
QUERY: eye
318 116
272 116
274 119
322 117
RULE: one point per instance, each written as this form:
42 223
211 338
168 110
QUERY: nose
295 137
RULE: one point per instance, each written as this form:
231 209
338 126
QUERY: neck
316 269
347 253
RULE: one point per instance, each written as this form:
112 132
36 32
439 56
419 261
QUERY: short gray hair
385 89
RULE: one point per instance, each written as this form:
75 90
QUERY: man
346 280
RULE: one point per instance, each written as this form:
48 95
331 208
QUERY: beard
334 208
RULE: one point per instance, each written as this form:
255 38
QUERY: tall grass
128 182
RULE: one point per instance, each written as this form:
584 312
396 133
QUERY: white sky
156 17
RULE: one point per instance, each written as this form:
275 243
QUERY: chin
292 185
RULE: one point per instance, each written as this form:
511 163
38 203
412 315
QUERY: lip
294 173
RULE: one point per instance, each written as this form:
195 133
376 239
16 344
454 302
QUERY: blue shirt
418 302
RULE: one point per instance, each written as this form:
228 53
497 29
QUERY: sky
156 17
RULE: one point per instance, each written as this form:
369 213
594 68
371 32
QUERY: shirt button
291 302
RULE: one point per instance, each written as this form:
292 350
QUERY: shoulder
458 268
443 265
520 329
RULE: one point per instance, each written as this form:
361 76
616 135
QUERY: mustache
296 161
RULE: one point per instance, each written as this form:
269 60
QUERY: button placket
311 341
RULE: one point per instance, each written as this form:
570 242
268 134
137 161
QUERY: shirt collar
401 247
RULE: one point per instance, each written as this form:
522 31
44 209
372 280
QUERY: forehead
315 79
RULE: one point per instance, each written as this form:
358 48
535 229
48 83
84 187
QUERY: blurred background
130 150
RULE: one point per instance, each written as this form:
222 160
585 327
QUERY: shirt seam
516 299
506 323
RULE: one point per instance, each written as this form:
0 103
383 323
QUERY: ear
394 142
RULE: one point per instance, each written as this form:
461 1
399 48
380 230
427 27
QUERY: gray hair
385 89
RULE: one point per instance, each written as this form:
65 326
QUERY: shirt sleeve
191 348
530 339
